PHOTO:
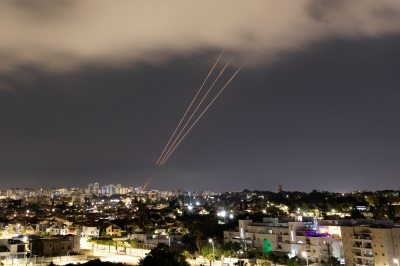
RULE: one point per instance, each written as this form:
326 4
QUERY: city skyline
86 100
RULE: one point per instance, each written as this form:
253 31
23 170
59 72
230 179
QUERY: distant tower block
279 188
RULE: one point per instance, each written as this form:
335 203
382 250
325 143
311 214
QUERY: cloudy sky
91 91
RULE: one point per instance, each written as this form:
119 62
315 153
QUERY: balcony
362 238
364 256
363 262
362 246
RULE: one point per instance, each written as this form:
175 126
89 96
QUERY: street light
304 254
396 261
212 242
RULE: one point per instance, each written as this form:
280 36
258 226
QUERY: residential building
90 231
371 244
13 248
291 237
55 246
94 188
113 230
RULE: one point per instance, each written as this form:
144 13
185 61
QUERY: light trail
149 179
183 117
169 154
190 118
147 183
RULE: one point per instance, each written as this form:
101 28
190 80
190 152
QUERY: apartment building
293 237
371 244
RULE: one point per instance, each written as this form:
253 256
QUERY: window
21 248
383 254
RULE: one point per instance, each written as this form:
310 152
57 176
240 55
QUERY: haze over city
92 93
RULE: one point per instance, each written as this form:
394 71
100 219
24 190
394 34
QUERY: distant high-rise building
138 190
279 188
94 188
111 189
119 189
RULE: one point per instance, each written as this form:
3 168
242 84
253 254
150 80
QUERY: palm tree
199 238
126 245
122 244
109 243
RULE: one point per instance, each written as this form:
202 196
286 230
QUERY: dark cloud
321 10
59 37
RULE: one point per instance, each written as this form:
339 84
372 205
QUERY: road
131 257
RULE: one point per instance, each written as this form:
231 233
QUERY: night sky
92 91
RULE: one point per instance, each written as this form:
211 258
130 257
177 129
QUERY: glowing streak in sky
147 182
169 154
183 117
195 110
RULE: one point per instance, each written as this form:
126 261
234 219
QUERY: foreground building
371 244
358 242
55 246
291 237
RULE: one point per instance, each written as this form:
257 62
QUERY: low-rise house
113 230
58 230
13 248
90 231
55 246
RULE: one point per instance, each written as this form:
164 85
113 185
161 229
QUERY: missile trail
183 117
149 179
169 154
190 118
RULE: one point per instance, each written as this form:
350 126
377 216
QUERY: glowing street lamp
212 242
304 254
396 261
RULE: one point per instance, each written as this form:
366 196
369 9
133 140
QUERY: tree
333 262
187 254
199 241
162 255
109 243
